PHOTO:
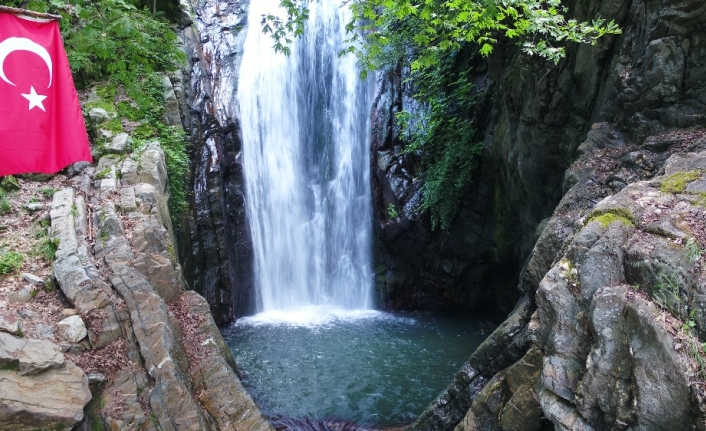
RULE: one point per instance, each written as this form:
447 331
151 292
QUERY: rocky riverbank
110 338
608 332
607 336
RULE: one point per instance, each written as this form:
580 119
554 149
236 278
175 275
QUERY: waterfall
305 130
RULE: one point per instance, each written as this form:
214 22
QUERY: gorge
300 252
533 117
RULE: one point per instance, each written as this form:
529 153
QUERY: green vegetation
438 41
700 199
433 28
5 205
112 39
693 249
670 298
10 261
173 142
609 216
105 99
9 184
45 244
607 219
442 135
391 211
676 183
668 295
122 50
13 365
48 192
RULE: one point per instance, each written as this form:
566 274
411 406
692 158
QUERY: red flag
41 124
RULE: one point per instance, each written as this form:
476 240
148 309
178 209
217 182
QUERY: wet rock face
216 248
646 81
417 267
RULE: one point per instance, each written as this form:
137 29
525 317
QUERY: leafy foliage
124 47
284 29
111 39
435 39
173 142
46 245
172 139
5 206
10 261
433 28
693 249
442 133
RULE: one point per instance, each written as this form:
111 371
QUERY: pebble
28 314
34 206
32 279
68 312
22 296
96 378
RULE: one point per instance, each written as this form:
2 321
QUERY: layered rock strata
117 266
216 249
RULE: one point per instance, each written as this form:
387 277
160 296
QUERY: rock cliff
607 334
216 249
531 117
124 345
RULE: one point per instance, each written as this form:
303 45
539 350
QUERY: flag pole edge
18 11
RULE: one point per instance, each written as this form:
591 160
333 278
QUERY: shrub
10 261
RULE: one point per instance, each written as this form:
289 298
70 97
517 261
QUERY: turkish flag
41 124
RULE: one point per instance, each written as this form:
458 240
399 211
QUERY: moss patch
13 365
610 216
106 98
700 199
676 183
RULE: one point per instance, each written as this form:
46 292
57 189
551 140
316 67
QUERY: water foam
314 316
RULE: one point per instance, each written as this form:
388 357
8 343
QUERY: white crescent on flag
13 44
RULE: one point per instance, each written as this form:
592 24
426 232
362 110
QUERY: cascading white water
305 130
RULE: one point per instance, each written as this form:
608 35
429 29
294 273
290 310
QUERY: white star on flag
34 99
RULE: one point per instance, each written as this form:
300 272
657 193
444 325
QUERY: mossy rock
9 184
41 178
130 111
103 97
612 215
676 183
700 199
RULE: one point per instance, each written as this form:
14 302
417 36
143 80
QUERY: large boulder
29 356
39 388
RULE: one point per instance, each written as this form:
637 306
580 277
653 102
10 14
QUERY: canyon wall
215 247
532 116
612 290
